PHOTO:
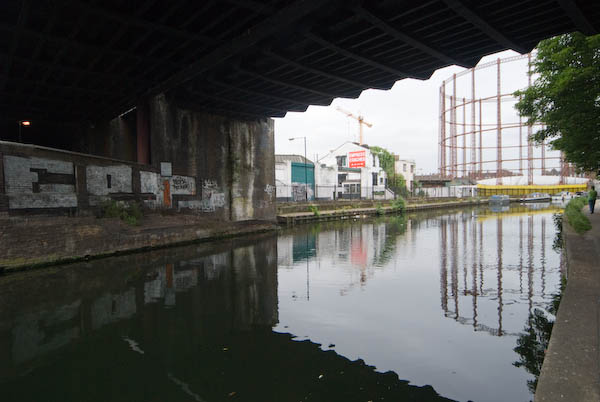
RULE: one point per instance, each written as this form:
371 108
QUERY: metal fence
300 192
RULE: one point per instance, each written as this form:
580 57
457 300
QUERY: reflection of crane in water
454 291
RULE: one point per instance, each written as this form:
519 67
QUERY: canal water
428 307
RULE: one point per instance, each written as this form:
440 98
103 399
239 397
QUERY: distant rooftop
397 158
292 158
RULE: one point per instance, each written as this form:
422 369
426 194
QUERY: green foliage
387 163
379 209
399 204
395 227
314 209
386 159
557 244
566 97
575 216
533 343
129 213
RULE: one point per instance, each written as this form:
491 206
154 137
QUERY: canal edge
125 242
292 219
571 367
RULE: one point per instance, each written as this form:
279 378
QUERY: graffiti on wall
37 183
269 189
212 196
180 183
32 182
185 185
104 180
300 191
154 183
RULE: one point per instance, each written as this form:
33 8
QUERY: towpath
571 369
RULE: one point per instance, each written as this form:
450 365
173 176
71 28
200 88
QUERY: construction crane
360 120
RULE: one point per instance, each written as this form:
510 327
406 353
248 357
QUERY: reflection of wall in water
473 248
237 288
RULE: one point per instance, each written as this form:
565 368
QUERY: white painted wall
365 176
407 168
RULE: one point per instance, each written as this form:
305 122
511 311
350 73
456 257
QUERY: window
412 168
374 179
404 167
341 160
381 180
374 161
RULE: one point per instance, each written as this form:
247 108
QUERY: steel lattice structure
481 134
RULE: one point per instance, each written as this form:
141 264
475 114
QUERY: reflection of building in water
362 247
238 285
489 269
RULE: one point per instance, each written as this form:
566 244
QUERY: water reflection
370 286
475 248
133 321
186 324
299 316
532 344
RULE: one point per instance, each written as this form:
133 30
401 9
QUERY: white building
407 169
294 178
359 174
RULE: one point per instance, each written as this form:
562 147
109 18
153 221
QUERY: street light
23 123
305 167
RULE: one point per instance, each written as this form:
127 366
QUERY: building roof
332 152
398 159
292 158
432 177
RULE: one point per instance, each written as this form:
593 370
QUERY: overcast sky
405 118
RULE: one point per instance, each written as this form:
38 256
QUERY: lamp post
23 123
305 167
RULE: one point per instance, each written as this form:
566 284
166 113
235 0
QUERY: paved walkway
571 370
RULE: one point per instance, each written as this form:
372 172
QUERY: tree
387 162
566 97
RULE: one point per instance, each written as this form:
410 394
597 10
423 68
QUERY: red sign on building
357 159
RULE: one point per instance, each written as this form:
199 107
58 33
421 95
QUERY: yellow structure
486 190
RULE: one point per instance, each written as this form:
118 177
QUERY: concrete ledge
571 369
327 215
48 240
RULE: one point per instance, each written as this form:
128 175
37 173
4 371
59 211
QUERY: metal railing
301 192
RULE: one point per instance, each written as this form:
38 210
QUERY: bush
575 216
128 213
399 204
314 209
379 209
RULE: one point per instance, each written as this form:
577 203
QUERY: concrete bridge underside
194 83
79 60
